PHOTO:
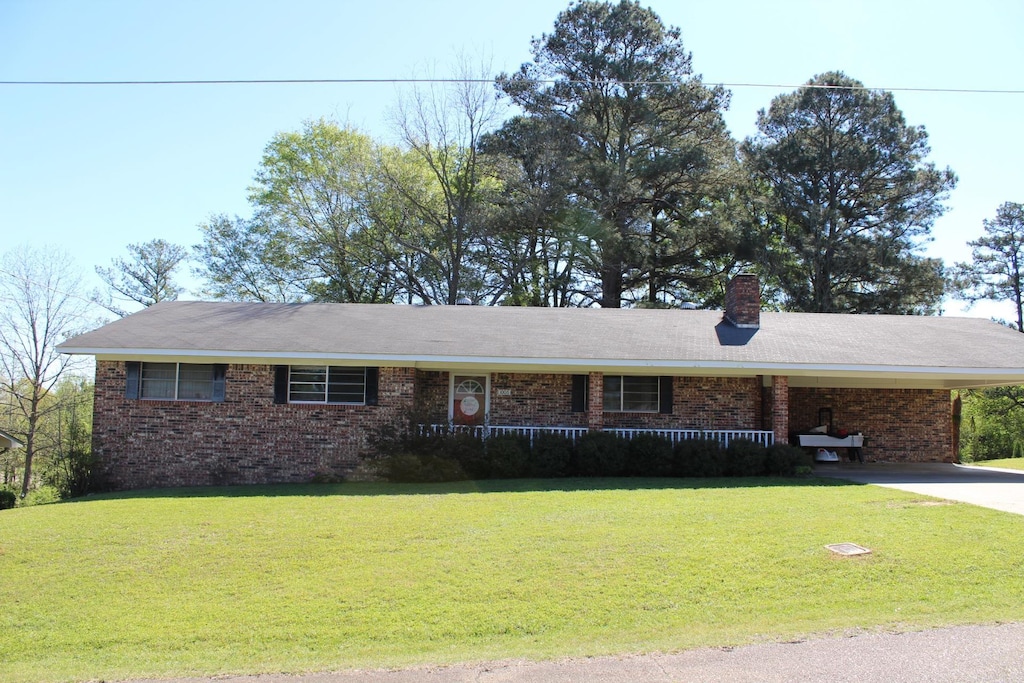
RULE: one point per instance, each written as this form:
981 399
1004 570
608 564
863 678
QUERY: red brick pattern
528 400
595 400
432 396
246 439
743 300
905 425
780 408
249 439
702 403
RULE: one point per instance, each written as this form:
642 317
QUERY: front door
468 405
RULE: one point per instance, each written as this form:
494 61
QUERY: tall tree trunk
30 440
611 284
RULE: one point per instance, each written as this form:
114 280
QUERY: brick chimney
743 301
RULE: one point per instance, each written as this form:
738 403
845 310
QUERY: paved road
980 654
993 488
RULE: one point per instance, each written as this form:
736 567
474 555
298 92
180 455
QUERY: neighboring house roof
854 350
8 441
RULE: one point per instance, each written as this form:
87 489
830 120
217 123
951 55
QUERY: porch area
675 408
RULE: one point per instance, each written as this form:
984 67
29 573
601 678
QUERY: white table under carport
853 441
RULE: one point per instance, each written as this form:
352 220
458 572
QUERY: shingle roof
964 350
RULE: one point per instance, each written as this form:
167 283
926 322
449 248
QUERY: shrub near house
452 457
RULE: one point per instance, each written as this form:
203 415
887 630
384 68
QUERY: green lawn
1005 463
305 578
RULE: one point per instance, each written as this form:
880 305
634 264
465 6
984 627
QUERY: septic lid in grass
847 549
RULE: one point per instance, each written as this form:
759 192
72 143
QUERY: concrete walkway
988 487
980 654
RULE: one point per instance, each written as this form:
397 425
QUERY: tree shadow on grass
471 487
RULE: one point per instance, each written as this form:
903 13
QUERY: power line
450 81
967 91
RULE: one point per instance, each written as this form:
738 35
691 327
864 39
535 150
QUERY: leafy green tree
246 260
699 244
996 269
69 428
446 188
993 424
851 198
321 226
38 310
309 196
646 145
537 238
146 277
402 202
62 448
337 217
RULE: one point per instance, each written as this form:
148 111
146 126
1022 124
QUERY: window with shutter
175 381
331 384
624 393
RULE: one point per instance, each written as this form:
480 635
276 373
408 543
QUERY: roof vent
464 301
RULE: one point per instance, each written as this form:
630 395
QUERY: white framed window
179 381
625 393
326 384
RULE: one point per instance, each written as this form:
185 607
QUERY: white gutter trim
6 438
410 360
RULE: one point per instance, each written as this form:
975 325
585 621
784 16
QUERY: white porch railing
723 436
571 433
481 431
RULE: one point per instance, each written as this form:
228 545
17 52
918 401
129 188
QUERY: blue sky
91 169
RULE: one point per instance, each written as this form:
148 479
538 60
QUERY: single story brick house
193 393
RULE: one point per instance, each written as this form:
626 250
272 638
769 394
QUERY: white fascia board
8 441
952 376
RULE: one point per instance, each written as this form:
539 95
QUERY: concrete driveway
992 488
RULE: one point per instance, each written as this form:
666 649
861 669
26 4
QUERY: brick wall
516 399
245 439
906 425
541 399
702 403
249 439
546 399
432 396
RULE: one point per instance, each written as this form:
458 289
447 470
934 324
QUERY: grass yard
1005 463
299 578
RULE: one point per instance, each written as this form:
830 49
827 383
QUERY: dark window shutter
665 395
579 393
220 371
133 373
280 384
372 380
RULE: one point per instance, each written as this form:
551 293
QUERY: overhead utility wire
370 81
